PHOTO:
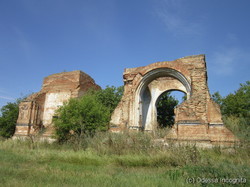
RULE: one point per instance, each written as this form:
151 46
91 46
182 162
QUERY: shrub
110 96
237 103
81 117
8 119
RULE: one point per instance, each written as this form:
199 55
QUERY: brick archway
152 85
198 118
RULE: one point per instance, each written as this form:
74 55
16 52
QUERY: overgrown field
132 159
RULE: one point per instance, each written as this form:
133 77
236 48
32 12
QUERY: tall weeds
112 159
240 126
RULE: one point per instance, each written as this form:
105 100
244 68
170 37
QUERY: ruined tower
37 110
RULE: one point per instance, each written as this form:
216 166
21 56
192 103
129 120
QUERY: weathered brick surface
38 109
197 118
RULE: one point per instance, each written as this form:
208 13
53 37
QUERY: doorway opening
165 106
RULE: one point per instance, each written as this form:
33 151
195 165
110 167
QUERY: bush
8 119
81 117
237 104
110 96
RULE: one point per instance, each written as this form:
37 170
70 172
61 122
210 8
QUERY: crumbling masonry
197 118
37 111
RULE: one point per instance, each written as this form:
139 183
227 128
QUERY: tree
82 116
110 96
165 110
8 119
217 98
237 103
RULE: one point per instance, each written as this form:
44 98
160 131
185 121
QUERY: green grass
119 160
22 166
128 159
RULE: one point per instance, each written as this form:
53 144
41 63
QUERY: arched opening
165 105
154 84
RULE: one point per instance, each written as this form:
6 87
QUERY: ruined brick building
198 118
38 109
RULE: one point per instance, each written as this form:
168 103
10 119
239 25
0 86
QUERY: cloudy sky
101 38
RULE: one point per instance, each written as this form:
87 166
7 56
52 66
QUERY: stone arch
146 117
197 118
170 90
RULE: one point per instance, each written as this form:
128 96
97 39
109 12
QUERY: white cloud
173 14
226 59
3 93
7 98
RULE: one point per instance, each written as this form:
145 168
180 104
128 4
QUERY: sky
42 37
